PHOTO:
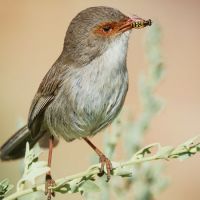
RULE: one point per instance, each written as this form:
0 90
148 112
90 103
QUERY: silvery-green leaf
124 172
39 195
89 186
34 173
5 187
183 157
146 150
164 152
191 141
32 167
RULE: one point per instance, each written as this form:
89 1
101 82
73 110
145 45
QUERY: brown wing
46 93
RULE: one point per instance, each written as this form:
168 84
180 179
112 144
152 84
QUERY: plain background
31 38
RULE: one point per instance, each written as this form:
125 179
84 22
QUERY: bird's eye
107 28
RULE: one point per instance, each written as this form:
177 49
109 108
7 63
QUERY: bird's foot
105 162
49 182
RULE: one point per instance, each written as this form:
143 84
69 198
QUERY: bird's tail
15 146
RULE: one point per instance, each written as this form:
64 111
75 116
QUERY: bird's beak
134 22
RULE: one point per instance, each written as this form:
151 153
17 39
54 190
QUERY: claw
105 161
49 182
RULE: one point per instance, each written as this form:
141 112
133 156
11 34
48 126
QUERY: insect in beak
134 22
139 23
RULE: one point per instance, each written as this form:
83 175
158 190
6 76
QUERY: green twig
84 181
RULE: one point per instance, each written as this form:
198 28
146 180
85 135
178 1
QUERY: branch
84 181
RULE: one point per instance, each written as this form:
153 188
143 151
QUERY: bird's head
92 31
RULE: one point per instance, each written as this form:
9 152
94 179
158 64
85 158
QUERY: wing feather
47 92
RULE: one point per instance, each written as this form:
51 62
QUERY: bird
84 90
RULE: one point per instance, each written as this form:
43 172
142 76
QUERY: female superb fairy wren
84 90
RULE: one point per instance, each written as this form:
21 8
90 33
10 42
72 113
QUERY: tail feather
14 147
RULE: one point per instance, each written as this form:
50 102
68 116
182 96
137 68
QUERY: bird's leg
49 182
103 160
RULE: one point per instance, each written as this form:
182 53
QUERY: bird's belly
86 110
96 109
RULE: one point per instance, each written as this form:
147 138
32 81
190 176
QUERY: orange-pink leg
103 160
49 182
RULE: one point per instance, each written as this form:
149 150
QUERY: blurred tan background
31 38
